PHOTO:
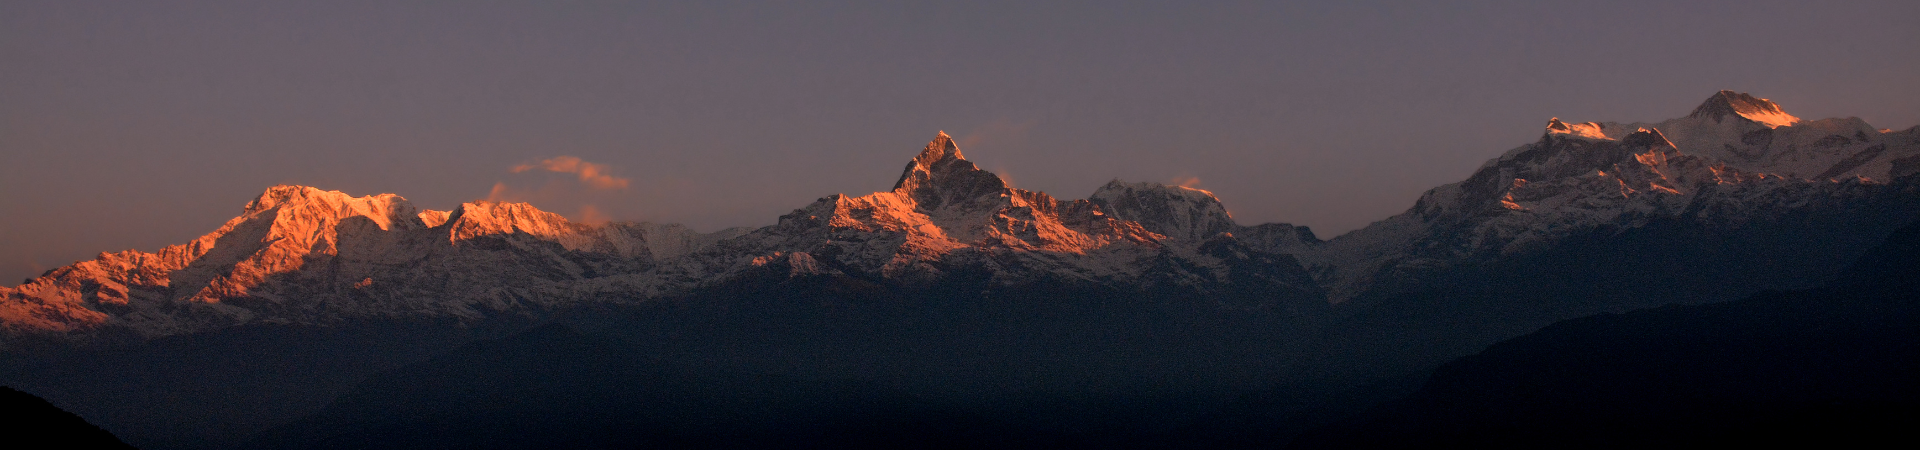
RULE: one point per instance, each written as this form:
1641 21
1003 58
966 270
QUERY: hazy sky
141 124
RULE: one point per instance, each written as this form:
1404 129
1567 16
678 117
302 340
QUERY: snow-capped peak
940 149
487 218
940 177
1755 136
285 193
1729 103
1646 138
315 204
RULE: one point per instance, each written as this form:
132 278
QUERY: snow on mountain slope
1172 211
273 235
1756 135
1729 105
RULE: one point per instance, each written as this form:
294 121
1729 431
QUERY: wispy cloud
501 193
998 131
1186 181
591 215
594 175
559 194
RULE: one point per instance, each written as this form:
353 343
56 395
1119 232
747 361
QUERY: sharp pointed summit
1646 138
1739 104
939 149
939 176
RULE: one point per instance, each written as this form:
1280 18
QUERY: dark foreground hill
25 418
801 364
1836 365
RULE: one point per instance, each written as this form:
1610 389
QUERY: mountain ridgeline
952 307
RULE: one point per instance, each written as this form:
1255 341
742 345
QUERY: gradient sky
142 124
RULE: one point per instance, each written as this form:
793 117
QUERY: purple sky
141 124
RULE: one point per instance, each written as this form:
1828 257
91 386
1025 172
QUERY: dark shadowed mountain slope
29 420
1835 365
1695 258
825 362
556 387
215 389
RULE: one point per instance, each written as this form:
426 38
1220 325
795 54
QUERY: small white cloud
592 174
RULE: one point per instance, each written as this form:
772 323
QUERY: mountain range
300 254
959 291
